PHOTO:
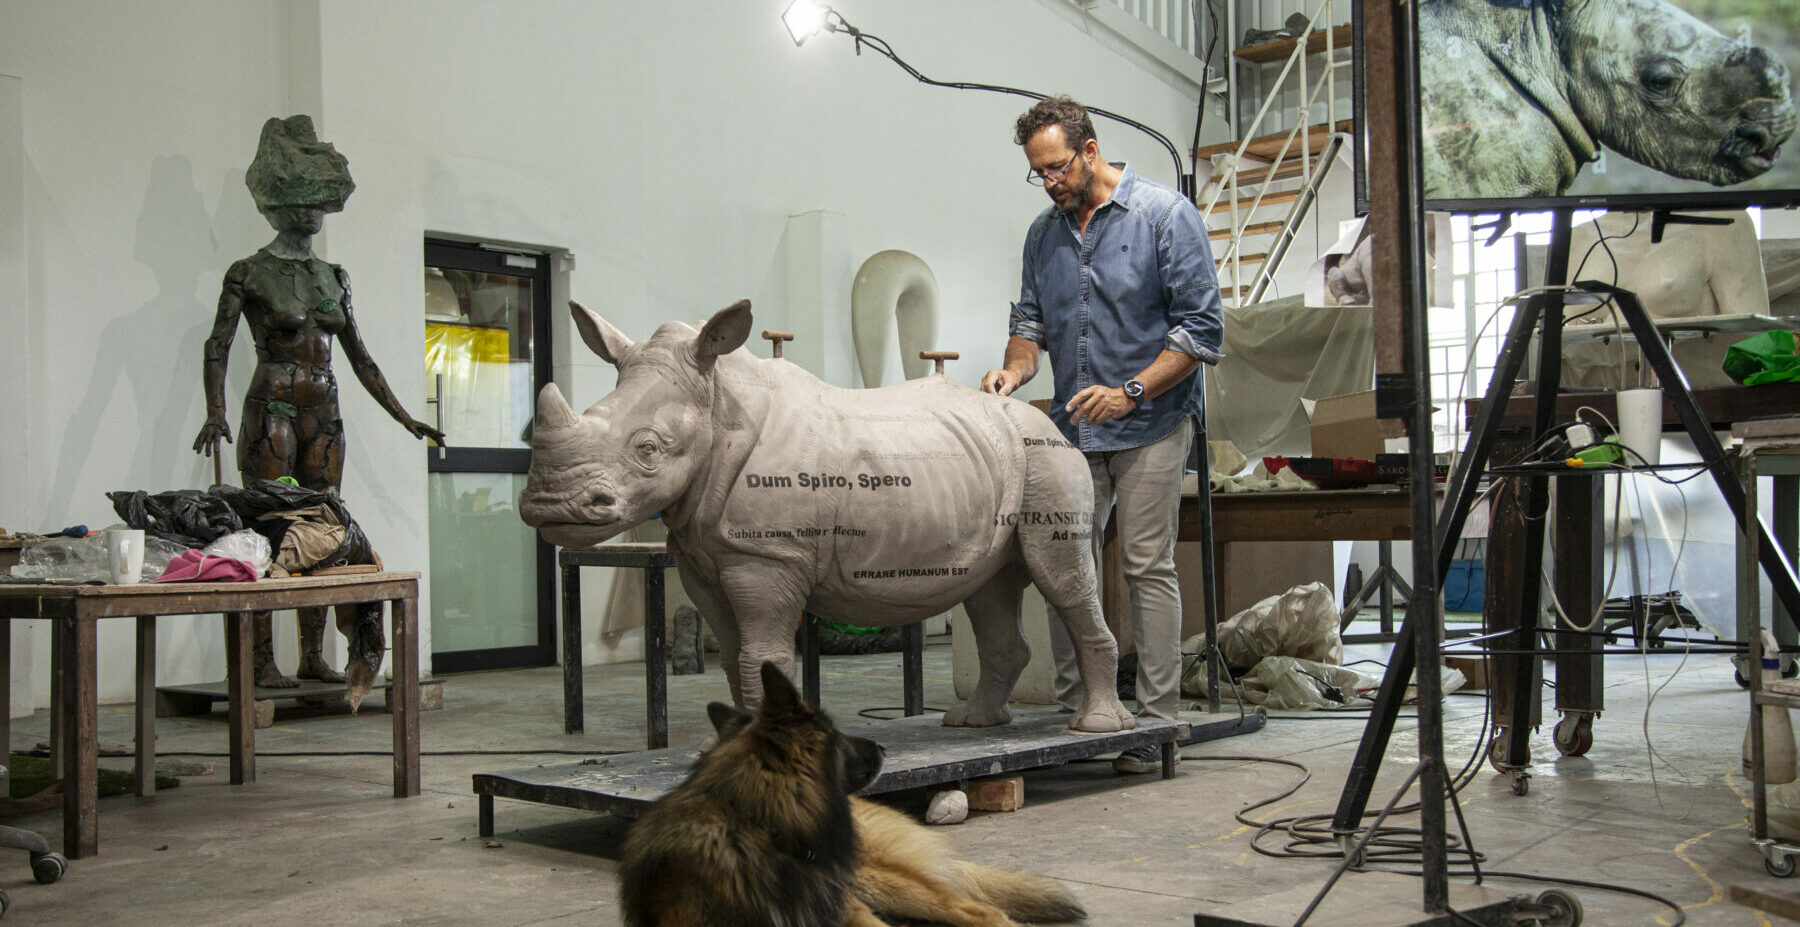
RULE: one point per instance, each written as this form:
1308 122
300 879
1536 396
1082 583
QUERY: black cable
1212 21
881 47
864 713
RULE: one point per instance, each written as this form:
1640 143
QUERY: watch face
1134 389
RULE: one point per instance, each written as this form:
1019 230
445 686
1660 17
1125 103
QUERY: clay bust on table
296 306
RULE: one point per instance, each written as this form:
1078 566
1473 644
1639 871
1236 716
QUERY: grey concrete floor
318 839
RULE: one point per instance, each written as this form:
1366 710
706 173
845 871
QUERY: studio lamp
807 18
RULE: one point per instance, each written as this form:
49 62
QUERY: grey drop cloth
1277 352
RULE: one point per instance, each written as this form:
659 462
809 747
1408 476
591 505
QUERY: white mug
124 555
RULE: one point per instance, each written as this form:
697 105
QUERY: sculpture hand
210 433
421 430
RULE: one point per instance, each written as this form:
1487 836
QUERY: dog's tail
1022 895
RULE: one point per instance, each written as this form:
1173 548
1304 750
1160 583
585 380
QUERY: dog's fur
763 832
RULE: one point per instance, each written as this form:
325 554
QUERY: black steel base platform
920 752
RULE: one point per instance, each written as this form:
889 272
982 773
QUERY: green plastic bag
1765 358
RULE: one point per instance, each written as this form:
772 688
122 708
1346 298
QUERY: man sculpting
1118 286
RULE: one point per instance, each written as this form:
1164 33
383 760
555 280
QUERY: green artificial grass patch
31 775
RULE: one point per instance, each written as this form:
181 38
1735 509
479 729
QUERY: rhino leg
1064 573
715 610
765 609
1000 646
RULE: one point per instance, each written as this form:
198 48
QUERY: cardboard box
1345 426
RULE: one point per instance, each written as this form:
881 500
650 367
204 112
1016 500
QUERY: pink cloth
192 566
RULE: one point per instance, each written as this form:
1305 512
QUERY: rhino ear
726 331
601 337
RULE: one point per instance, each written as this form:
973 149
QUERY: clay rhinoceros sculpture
782 493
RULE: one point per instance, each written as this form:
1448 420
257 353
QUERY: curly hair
1077 127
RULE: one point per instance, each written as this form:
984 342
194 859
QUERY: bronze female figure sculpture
296 305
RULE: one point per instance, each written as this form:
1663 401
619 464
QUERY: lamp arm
1184 179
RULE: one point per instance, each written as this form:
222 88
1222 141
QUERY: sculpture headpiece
293 168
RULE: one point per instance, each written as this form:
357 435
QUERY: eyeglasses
1040 178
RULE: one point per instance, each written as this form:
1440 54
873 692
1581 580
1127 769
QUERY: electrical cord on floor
1374 832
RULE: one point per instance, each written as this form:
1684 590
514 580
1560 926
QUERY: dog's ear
779 696
728 720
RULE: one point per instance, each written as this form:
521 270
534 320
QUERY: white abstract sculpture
893 289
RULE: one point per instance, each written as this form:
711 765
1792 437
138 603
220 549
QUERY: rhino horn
553 411
600 336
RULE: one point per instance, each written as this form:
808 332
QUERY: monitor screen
1628 104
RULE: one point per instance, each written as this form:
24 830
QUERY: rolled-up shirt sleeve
1191 287
1027 320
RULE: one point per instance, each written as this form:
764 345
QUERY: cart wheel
1497 756
1737 676
1574 735
1565 908
1521 783
1782 869
1791 670
48 867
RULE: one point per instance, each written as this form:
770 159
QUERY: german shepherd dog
764 833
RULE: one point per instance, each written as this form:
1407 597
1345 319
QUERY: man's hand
1099 404
1001 382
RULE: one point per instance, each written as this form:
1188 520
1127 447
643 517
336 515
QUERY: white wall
665 145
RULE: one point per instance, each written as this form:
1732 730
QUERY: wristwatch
1134 390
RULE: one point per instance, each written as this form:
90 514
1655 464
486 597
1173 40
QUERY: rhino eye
647 449
1662 76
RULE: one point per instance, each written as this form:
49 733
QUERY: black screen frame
1700 200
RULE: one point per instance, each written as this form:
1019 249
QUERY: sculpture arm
217 355
366 371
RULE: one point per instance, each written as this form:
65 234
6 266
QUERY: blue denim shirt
1105 305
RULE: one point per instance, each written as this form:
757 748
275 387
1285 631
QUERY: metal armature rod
939 357
775 339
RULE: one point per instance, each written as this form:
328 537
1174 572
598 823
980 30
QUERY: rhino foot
967 715
1102 716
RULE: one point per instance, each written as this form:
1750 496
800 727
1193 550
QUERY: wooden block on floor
1774 897
999 794
431 697
263 713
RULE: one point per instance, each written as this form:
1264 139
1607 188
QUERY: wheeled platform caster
48 867
1780 866
1498 758
1560 909
1574 734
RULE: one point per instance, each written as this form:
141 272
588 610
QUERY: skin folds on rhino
1517 95
782 493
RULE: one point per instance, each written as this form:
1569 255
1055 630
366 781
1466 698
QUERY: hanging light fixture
805 18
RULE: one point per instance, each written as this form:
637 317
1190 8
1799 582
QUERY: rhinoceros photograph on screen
782 493
1520 98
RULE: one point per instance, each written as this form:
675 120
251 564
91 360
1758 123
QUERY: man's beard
1078 194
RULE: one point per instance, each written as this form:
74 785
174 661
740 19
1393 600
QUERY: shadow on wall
175 239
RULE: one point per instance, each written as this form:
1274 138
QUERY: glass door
487 315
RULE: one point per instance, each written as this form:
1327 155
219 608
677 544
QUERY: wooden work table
76 611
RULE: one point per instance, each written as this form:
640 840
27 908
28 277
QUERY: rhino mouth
579 534
1750 150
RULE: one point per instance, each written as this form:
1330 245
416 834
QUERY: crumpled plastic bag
79 560
1293 684
1763 358
1301 622
245 545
